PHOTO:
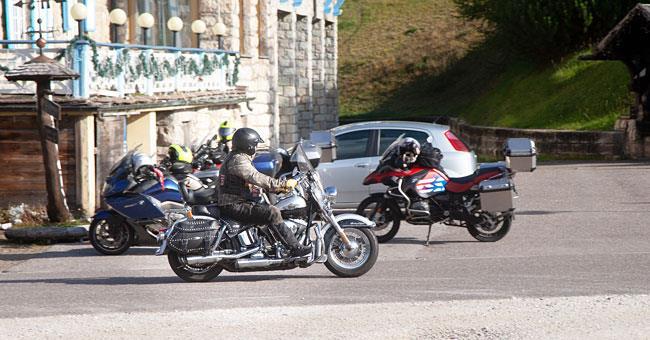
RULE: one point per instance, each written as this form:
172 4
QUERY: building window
162 10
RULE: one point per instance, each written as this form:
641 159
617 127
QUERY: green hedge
549 28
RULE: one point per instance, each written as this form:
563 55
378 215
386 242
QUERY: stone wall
488 141
287 78
293 85
330 108
190 127
304 76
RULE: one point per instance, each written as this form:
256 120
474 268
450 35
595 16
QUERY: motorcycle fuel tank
291 203
431 184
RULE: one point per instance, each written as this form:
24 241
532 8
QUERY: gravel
619 317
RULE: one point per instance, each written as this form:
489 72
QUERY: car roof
388 124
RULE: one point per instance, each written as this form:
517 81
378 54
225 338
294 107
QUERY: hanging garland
149 67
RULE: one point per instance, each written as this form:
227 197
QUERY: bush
548 28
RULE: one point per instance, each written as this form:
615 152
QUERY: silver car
359 146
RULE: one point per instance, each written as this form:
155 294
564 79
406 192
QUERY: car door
352 165
386 138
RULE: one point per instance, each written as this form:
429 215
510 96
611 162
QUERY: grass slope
419 58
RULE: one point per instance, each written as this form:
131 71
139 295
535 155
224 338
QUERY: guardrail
120 69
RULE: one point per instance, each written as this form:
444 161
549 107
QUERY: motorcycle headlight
330 194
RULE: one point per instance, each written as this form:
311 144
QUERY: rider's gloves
290 184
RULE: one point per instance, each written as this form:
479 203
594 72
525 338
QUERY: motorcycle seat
203 196
206 210
486 170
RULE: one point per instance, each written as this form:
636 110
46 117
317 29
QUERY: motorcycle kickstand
426 244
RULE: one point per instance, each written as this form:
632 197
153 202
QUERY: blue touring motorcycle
141 201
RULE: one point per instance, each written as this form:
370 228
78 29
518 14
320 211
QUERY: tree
548 28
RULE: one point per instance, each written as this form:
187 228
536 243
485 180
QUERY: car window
388 136
352 144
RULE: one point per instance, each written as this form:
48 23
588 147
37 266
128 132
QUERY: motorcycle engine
295 225
420 209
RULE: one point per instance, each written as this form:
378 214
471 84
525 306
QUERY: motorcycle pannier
193 237
521 154
496 195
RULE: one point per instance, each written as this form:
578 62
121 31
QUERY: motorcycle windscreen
392 148
299 157
136 206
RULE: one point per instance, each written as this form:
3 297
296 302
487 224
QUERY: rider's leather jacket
236 176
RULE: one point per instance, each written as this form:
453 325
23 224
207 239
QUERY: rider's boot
287 237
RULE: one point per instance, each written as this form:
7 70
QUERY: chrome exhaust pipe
219 257
262 263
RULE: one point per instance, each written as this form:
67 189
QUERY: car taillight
456 143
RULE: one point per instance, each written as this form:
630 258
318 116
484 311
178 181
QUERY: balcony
119 70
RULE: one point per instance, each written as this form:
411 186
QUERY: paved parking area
581 230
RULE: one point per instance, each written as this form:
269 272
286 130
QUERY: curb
47 234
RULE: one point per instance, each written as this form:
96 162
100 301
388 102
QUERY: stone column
209 12
303 76
287 78
318 75
275 91
85 156
331 89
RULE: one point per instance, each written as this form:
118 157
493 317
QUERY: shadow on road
420 241
75 252
125 280
540 212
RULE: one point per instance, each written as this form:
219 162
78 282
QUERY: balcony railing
122 70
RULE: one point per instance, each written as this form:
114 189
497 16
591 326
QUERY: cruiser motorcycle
200 247
423 194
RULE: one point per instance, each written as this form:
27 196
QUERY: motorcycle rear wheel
499 228
110 239
352 263
384 214
190 273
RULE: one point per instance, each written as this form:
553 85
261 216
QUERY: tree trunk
57 208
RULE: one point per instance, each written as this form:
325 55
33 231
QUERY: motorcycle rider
226 132
236 176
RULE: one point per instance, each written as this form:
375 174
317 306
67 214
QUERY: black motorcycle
199 248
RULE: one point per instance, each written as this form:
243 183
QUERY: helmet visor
226 132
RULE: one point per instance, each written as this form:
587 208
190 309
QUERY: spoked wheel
384 213
492 227
355 261
110 237
192 273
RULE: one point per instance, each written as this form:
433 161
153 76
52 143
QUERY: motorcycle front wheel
192 273
492 228
110 237
353 262
384 213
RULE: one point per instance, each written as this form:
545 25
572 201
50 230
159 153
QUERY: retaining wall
488 141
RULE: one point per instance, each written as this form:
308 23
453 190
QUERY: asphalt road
581 230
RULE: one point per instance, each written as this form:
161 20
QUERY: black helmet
409 149
246 140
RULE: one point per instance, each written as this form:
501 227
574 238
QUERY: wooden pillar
57 207
85 156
